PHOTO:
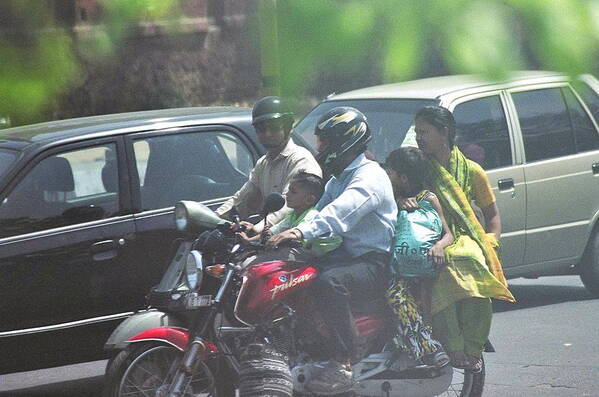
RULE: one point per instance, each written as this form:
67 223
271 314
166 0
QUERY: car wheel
589 266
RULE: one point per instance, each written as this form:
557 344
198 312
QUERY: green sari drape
473 269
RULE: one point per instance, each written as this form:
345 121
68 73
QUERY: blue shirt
358 205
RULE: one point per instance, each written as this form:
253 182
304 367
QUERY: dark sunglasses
269 125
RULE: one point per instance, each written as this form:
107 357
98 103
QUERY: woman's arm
437 252
492 220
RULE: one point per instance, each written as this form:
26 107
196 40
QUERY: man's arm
248 193
343 213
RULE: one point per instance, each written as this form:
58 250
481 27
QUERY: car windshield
7 158
389 121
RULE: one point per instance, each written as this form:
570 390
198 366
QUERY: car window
545 124
482 132
63 189
587 137
195 166
7 158
388 119
590 97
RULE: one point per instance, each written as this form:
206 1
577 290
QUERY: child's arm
437 252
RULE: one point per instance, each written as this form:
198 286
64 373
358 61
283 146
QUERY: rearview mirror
273 203
193 216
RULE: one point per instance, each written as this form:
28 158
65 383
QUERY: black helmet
270 108
345 130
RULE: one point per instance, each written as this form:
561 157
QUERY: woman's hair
311 183
411 162
439 117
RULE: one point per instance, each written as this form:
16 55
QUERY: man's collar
356 163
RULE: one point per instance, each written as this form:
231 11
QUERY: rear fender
137 324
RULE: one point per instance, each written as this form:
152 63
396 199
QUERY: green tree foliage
40 56
39 53
486 37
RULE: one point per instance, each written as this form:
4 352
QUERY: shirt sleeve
343 213
281 226
249 193
482 193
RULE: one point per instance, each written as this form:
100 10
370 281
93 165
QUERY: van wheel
589 266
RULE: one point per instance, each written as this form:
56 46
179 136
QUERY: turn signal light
215 270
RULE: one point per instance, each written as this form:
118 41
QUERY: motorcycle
260 333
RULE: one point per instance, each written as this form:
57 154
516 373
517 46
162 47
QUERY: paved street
546 347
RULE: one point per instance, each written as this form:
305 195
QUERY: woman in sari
460 304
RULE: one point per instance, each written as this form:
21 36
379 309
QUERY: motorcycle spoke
149 373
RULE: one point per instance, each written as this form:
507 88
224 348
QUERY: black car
86 219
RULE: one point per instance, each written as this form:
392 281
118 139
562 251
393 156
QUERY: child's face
398 180
298 198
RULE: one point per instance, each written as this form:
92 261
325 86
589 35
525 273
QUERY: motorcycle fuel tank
267 284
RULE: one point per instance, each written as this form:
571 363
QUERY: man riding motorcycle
357 205
273 122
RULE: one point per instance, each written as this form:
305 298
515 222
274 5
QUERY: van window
482 132
545 124
389 121
586 134
590 98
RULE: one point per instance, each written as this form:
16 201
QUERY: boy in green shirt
304 192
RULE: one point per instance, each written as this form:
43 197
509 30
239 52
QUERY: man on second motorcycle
357 205
273 121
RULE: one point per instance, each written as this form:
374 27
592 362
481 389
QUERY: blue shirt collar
356 163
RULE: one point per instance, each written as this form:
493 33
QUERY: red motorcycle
261 332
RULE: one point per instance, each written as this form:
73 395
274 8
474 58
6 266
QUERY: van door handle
595 168
505 184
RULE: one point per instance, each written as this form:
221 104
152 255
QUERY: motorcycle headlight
181 216
194 270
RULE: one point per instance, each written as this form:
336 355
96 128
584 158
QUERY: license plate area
194 301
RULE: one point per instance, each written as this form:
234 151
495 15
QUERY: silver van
536 135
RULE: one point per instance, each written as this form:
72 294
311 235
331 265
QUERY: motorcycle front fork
183 373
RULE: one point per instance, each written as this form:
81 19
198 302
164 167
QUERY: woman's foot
459 359
475 364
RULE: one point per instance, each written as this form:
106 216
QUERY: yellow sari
473 268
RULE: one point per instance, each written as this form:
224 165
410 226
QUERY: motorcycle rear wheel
466 384
142 370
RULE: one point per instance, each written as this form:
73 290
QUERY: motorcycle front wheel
142 370
466 384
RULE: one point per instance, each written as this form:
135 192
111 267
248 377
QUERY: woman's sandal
475 364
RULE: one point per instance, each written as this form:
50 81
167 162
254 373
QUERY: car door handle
102 246
595 168
107 245
505 184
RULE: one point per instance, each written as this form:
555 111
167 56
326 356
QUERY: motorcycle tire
154 361
471 386
264 371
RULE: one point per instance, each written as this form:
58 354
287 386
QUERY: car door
561 147
484 135
64 244
206 164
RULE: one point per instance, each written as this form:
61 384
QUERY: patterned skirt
413 335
